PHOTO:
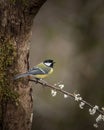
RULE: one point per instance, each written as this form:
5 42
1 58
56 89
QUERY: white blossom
95 125
53 92
100 118
61 86
96 107
102 108
81 105
93 110
65 96
77 97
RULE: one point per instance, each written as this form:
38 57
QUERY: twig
65 92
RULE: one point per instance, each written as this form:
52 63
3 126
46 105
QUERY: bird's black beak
54 62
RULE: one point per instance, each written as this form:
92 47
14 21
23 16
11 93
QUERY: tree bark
16 18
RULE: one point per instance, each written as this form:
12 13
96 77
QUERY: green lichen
8 95
7 65
7 62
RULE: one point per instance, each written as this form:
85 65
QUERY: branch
57 88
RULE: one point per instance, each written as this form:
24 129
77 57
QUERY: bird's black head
49 63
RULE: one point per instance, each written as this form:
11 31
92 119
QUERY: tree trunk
16 18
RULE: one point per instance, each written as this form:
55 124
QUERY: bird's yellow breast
41 76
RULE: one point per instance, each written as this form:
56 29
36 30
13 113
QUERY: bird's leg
37 80
43 81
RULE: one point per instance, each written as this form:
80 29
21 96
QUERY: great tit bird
39 71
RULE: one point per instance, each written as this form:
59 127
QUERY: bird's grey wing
36 70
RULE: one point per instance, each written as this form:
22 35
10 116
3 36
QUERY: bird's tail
21 75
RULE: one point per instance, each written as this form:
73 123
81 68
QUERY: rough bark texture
16 18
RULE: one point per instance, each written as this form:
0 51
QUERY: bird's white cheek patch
48 64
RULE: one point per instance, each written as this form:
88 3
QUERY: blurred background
72 33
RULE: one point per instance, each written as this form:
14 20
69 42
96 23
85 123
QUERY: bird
39 71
